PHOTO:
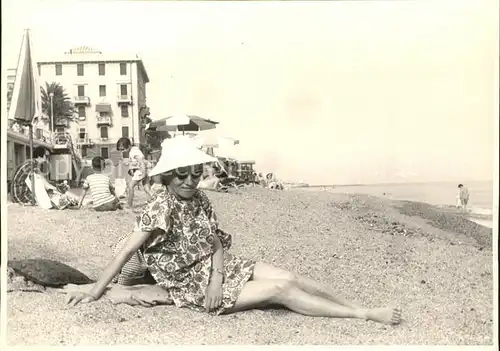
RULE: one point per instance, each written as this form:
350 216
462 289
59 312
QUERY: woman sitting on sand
178 239
261 180
273 183
209 180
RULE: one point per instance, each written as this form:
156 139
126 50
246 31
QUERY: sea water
479 208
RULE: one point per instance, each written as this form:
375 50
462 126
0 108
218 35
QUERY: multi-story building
11 78
109 92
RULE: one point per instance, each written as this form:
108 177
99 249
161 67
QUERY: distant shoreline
479 215
391 183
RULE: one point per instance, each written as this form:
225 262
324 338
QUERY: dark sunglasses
183 172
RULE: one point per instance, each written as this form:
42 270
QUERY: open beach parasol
26 104
216 141
209 142
182 123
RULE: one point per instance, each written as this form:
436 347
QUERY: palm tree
63 105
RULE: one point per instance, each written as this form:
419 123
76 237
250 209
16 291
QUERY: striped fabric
99 185
134 270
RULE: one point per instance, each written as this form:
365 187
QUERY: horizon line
394 183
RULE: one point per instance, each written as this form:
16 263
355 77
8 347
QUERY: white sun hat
179 152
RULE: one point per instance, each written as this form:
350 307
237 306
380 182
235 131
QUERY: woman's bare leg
264 271
258 293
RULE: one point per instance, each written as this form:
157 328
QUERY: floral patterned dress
178 253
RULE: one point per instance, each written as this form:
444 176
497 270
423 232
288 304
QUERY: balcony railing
22 135
124 99
63 122
82 100
104 120
85 140
61 139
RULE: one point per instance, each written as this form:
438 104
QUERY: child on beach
103 198
137 168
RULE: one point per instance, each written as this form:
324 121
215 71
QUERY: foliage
63 104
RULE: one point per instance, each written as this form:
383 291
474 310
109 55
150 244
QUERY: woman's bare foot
385 315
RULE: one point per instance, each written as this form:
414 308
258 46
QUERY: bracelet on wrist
218 271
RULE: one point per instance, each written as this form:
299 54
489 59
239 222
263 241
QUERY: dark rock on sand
41 272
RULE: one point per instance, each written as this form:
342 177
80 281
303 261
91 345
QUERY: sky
326 93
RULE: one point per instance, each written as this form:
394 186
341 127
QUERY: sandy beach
433 263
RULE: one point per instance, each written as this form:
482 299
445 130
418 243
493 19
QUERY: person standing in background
137 168
16 127
459 203
463 195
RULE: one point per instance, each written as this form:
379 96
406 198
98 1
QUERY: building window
82 113
102 69
60 130
104 132
123 90
84 151
104 152
58 69
123 69
124 109
82 134
81 90
102 90
125 131
79 69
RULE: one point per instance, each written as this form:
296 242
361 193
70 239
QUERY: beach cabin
245 171
65 161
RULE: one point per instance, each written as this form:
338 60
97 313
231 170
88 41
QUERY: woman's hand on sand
76 297
213 296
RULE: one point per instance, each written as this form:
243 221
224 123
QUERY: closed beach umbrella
26 98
